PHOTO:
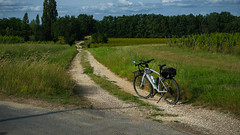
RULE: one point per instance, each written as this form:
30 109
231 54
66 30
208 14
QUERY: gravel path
202 120
99 98
106 118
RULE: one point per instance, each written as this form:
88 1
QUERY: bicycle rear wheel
173 91
142 88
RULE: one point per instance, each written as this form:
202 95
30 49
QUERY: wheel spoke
173 92
143 89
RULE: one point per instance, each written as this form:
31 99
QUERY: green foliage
37 34
72 28
207 78
36 70
49 17
153 26
134 26
25 19
214 42
11 39
99 38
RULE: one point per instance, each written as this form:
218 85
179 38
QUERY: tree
49 17
36 29
26 30
25 19
99 38
37 20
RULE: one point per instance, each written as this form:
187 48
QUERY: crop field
214 42
131 42
31 70
205 78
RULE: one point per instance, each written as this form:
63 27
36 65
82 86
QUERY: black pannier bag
168 72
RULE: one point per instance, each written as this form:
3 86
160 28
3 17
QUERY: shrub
11 39
99 38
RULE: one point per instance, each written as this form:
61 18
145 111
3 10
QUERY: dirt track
106 118
99 98
202 120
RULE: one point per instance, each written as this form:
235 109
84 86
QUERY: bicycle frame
157 88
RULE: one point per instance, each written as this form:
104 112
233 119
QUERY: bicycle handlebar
142 62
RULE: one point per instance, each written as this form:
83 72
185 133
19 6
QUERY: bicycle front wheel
173 91
142 86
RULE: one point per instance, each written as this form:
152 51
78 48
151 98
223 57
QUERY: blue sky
100 8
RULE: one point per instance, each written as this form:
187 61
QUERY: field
214 42
130 42
38 71
205 78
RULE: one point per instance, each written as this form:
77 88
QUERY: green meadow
207 79
38 71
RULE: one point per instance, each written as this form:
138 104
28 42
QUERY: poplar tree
25 18
49 17
25 27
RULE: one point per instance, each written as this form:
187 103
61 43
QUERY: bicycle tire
173 91
144 91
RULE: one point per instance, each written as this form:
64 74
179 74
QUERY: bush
11 39
99 38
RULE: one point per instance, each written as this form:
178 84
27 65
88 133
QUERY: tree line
71 28
154 26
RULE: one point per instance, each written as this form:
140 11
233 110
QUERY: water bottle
153 79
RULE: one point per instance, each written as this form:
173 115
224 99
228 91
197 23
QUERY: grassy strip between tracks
111 87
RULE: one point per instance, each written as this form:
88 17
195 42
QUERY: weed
164 114
159 121
157 114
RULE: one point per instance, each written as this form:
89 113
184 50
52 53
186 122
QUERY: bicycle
146 86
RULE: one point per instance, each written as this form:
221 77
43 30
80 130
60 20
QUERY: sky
101 8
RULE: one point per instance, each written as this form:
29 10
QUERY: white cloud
180 3
170 1
18 6
31 8
223 1
110 4
7 2
140 3
125 2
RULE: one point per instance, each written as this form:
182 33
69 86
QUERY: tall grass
207 78
36 70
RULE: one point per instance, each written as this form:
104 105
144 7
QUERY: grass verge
206 78
38 71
